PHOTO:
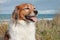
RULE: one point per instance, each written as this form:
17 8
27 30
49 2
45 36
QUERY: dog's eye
26 8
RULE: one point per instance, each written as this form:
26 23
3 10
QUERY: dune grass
47 30
3 28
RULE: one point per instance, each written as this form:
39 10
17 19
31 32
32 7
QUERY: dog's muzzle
32 17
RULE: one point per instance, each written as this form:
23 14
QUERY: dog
22 25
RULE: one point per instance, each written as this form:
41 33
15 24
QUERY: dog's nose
36 12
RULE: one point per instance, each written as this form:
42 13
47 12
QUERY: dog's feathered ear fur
15 13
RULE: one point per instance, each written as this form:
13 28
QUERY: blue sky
43 6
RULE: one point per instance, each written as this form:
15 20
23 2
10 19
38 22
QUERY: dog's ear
15 13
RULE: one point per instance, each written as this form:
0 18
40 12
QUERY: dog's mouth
31 18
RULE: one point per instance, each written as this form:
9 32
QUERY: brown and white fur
22 25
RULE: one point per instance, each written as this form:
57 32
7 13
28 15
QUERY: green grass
48 30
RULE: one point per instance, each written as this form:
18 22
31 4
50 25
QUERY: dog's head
26 12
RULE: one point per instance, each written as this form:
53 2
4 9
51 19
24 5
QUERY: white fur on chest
22 31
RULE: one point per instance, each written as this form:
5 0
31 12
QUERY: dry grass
3 28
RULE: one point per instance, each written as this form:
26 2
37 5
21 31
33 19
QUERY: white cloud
4 1
46 11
